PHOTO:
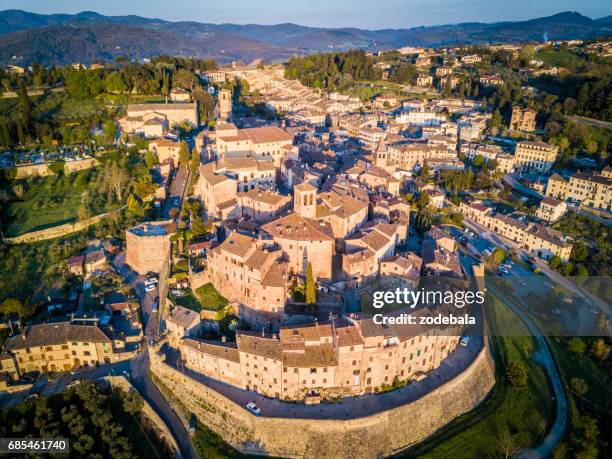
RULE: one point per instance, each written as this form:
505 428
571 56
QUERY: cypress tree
311 294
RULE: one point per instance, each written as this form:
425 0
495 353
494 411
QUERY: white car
253 408
150 287
464 341
151 281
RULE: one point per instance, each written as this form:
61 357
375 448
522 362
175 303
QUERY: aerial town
197 243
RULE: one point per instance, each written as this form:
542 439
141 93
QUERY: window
313 371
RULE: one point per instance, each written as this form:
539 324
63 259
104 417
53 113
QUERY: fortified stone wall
377 435
58 231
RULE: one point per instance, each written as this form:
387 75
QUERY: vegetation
311 292
31 272
332 71
210 298
210 445
99 422
68 116
592 250
513 416
41 202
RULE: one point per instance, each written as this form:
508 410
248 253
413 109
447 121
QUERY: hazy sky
370 14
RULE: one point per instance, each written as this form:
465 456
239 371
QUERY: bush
517 374
577 346
579 385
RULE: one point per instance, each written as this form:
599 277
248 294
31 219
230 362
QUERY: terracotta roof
182 317
298 228
322 355
237 244
551 202
258 345
556 177
226 351
76 260
266 134
56 333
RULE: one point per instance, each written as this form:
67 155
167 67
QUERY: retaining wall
373 436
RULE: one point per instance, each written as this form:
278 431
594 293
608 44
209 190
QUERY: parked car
253 408
150 287
74 383
193 422
151 281
465 341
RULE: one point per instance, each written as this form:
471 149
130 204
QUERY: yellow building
535 156
59 346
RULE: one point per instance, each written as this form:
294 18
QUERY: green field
46 202
510 418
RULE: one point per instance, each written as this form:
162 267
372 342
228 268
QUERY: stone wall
373 436
160 426
58 231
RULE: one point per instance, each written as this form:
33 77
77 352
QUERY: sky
367 14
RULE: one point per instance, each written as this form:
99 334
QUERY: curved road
544 357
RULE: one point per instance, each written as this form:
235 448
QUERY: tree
117 178
194 164
151 159
114 83
478 161
184 79
311 293
12 306
423 200
581 272
577 345
184 153
517 374
424 172
555 262
25 105
567 269
600 349
580 252
579 385
110 130
423 220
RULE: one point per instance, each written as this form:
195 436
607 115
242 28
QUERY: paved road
140 364
520 187
147 388
544 357
177 189
554 276
592 122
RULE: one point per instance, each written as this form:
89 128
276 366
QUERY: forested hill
63 38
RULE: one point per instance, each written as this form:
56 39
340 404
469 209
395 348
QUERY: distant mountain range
89 36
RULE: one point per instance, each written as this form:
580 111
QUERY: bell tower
305 200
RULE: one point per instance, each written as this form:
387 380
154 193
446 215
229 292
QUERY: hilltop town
222 230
